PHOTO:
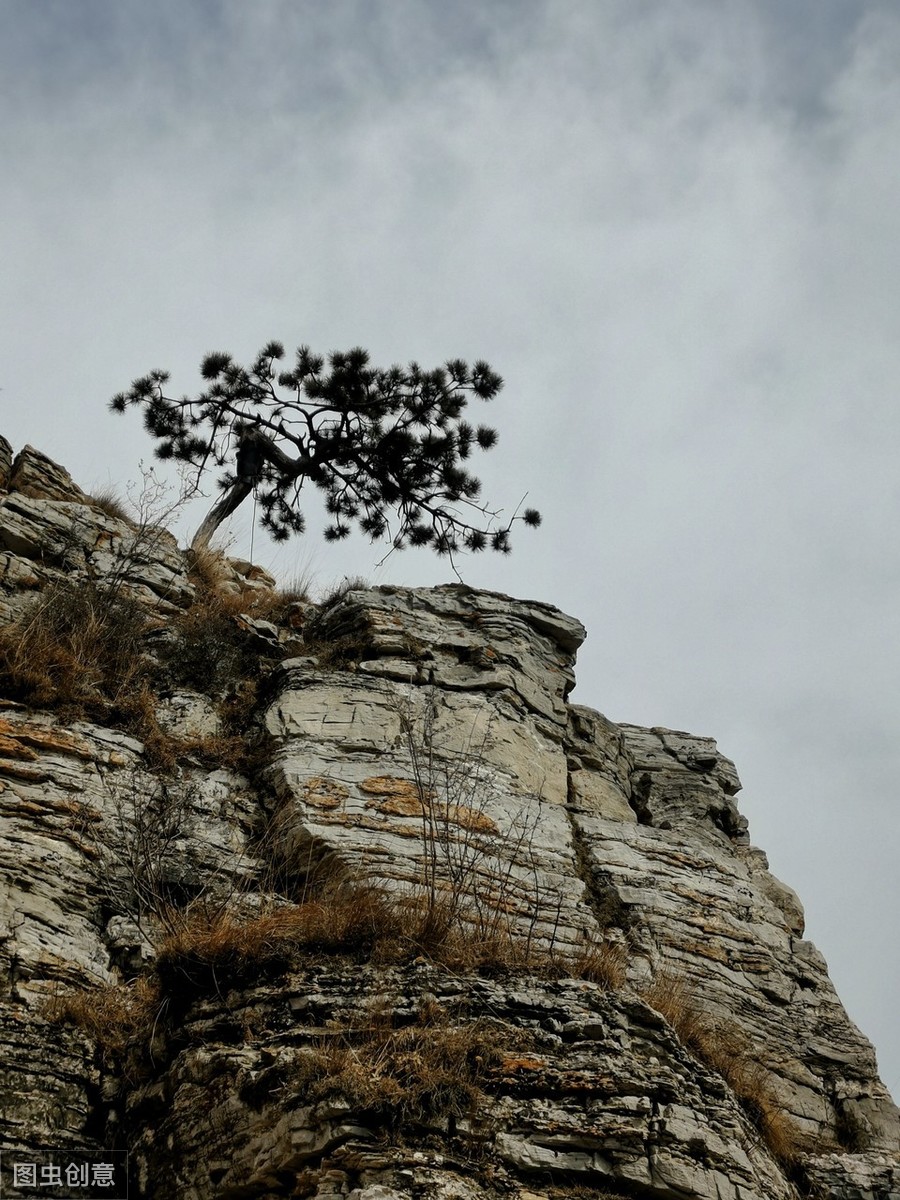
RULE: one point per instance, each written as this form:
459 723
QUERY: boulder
34 474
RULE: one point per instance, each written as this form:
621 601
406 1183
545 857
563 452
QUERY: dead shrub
206 648
488 871
139 865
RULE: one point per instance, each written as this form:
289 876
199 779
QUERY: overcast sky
671 226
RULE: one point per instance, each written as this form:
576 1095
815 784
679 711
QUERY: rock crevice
409 742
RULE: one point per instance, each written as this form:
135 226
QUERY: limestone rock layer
416 745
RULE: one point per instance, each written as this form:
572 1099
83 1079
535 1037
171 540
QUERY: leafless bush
139 868
206 648
474 873
143 866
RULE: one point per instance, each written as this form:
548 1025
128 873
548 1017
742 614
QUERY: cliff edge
346 899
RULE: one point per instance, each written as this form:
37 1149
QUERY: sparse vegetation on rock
349 900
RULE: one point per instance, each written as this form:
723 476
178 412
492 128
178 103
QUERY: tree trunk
265 450
232 499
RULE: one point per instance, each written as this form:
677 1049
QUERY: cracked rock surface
403 737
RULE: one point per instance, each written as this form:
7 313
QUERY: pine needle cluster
387 447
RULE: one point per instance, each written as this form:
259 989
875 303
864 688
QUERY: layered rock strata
407 739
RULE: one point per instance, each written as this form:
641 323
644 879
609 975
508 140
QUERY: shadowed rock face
414 740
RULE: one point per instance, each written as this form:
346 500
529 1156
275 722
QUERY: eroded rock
418 738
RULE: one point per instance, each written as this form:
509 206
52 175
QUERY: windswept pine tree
386 447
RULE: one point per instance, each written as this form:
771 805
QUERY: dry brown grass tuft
337 591
108 500
750 1082
586 1191
722 1046
440 927
164 751
603 963
672 996
116 1018
210 571
77 646
210 948
412 1074
80 650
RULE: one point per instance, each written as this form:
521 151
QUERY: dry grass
79 650
427 1071
208 650
603 963
78 646
672 997
209 948
586 1191
108 500
118 1019
722 1046
210 571
299 586
337 591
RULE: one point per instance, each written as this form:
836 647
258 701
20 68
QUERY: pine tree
386 447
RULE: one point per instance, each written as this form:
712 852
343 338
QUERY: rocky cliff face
347 900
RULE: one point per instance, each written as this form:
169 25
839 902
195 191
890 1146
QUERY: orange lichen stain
401 806
30 775
468 818
522 1063
324 793
11 748
392 795
707 950
23 740
389 785
404 798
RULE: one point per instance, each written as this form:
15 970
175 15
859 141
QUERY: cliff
346 900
